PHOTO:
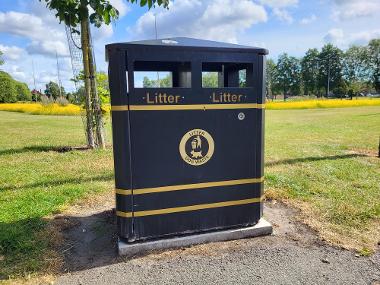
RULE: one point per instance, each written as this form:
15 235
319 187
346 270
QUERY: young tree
355 70
271 78
103 87
373 62
52 90
77 12
309 70
289 74
330 68
1 58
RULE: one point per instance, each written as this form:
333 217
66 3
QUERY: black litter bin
188 157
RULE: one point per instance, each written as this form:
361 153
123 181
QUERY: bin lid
191 42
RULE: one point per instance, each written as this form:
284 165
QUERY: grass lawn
321 161
36 182
324 162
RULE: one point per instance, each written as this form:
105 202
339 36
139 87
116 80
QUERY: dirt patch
364 152
88 233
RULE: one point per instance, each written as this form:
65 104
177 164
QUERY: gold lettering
162 98
148 101
214 99
226 98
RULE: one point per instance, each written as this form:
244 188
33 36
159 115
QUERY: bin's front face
193 155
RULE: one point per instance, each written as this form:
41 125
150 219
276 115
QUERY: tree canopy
289 74
350 72
73 12
53 91
12 90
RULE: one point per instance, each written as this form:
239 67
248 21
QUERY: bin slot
158 74
227 74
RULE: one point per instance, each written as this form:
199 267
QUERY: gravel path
292 255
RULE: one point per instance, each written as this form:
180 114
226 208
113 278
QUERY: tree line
329 72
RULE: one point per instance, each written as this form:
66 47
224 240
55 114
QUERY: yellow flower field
50 109
73 110
39 109
326 103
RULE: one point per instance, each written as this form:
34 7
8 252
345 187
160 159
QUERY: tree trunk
99 125
87 83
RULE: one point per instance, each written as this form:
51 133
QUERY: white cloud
279 8
11 52
48 47
41 36
283 15
39 32
202 19
351 9
334 36
308 20
105 31
339 38
18 73
121 6
279 3
363 37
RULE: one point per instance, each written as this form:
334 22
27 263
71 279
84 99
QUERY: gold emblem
196 147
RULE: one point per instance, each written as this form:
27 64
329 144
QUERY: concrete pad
263 227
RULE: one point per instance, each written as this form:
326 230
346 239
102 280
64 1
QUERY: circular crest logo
196 147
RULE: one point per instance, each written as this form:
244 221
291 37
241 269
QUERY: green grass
324 162
37 181
316 160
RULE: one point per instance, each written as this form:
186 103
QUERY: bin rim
188 43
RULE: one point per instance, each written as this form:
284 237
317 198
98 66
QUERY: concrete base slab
263 227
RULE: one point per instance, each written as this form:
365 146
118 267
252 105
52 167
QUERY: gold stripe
189 186
119 108
187 107
188 208
123 192
196 186
124 214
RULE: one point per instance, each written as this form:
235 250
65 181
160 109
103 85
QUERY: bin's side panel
260 125
121 138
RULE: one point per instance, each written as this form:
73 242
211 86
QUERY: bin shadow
89 241
42 148
316 158
65 243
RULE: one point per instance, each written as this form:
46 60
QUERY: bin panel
225 184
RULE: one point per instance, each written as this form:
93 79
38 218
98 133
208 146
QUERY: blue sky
29 32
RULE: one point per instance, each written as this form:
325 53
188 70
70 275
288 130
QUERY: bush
23 92
8 91
62 101
45 100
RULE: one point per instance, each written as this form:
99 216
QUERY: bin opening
159 74
224 74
